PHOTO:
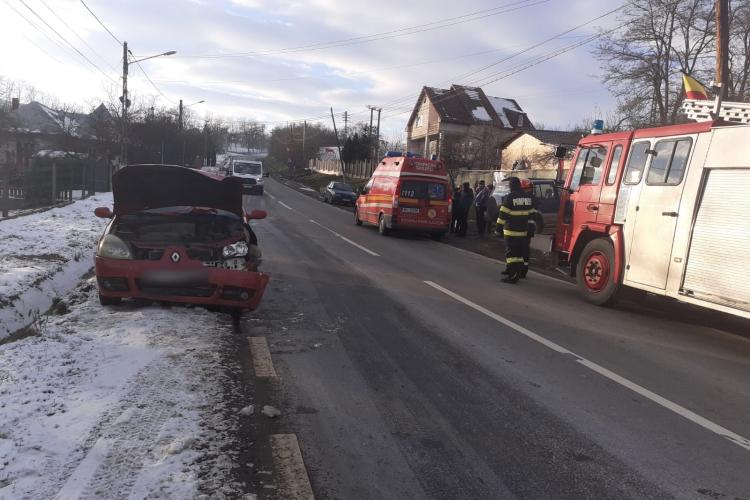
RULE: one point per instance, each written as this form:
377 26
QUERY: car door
580 203
657 212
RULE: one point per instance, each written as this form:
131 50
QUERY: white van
249 170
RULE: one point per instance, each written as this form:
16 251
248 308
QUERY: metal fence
357 170
47 181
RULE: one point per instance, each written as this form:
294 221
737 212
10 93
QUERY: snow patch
473 94
42 257
481 114
500 106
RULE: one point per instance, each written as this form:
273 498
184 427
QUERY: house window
520 121
419 121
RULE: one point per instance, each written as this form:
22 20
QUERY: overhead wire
65 40
439 24
101 58
102 23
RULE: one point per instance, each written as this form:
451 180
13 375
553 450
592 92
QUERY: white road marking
366 250
290 467
262 362
661 401
285 205
270 195
303 188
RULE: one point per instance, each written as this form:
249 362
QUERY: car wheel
382 228
595 273
109 301
357 221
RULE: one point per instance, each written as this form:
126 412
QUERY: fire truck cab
665 210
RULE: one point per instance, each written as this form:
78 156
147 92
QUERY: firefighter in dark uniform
515 214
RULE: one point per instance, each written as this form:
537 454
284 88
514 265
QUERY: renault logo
175 257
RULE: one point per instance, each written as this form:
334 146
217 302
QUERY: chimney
14 103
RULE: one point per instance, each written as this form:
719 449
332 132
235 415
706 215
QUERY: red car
179 235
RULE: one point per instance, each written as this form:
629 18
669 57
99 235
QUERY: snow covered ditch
131 401
43 255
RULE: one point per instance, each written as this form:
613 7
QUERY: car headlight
238 249
112 247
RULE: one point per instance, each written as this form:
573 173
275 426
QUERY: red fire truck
665 210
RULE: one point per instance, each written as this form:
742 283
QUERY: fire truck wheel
594 273
357 220
382 228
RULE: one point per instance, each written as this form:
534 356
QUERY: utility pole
722 47
125 104
180 120
369 141
346 123
304 131
338 144
377 147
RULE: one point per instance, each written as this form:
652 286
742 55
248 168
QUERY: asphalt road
409 371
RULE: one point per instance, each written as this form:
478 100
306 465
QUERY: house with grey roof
463 126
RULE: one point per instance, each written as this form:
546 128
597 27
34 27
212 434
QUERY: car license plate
410 210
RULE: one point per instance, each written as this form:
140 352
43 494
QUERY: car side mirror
103 212
266 174
256 215
561 152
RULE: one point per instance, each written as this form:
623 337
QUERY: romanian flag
693 88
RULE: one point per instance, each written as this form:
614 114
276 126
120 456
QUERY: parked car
339 192
179 235
249 171
547 199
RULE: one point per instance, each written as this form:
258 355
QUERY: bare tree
644 62
739 51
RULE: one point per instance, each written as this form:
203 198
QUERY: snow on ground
129 401
43 255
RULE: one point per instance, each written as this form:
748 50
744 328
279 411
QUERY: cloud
296 84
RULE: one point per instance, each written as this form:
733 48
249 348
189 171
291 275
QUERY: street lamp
124 99
181 127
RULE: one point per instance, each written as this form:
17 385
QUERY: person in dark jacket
492 209
480 207
515 212
464 205
455 209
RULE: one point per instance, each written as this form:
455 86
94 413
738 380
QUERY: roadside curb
294 482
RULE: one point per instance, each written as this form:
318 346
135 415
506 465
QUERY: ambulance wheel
357 220
382 228
595 273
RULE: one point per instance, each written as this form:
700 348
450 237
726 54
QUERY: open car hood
140 187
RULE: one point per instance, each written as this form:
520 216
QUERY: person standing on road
514 220
491 213
480 207
455 209
465 203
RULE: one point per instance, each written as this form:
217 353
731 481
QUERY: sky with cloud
277 61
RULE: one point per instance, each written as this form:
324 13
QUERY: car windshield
340 186
178 225
243 167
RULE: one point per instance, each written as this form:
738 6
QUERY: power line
394 103
102 24
151 81
67 42
78 36
442 23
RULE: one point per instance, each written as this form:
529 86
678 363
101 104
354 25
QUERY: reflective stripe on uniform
514 212
514 260
507 232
